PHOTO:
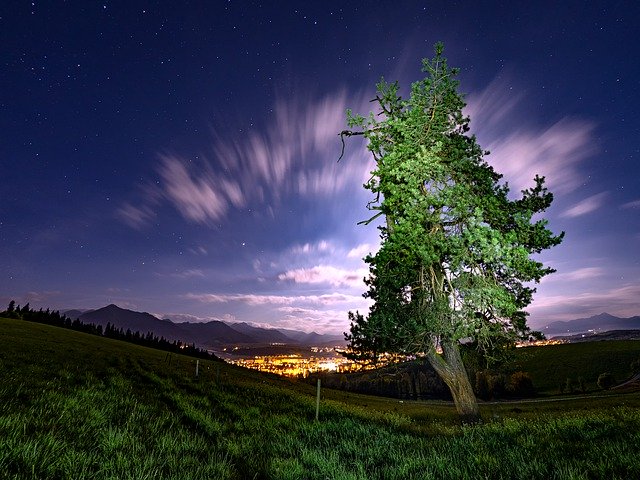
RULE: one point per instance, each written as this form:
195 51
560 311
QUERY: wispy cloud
182 318
198 193
322 313
634 204
321 246
295 154
585 206
313 319
621 301
325 274
41 297
520 150
117 290
136 217
585 273
199 250
256 300
362 250
190 273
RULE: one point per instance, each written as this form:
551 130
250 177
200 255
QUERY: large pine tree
455 258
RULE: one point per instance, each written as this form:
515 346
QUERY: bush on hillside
482 386
499 385
520 384
568 386
606 381
582 386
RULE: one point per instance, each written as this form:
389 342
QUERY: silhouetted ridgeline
147 339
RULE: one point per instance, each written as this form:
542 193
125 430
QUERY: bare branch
367 222
347 133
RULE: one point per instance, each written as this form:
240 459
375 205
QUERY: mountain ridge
599 323
213 334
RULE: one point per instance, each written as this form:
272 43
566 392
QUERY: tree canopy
455 262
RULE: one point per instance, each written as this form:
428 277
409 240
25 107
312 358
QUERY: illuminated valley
298 364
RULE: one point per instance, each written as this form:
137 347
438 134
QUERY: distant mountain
597 323
313 338
142 322
214 334
599 336
73 314
267 335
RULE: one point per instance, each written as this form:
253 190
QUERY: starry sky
180 158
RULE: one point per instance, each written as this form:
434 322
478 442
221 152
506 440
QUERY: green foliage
455 254
455 257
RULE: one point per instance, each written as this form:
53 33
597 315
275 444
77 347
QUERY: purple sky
181 160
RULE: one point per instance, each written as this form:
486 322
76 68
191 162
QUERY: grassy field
78 406
552 365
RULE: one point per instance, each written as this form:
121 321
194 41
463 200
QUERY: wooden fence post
318 401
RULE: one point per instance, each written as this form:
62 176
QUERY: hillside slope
73 405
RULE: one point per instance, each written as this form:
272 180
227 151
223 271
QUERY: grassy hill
78 406
552 365
550 368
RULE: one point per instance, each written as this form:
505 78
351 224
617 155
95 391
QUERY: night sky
180 158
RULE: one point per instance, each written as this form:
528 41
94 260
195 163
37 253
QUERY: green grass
77 406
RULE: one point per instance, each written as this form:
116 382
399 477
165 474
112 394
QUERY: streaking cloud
199 194
325 274
250 299
621 301
135 217
294 156
585 273
587 205
520 150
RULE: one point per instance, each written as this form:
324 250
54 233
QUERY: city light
298 365
316 359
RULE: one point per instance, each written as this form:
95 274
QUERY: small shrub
497 385
606 381
482 386
568 386
582 385
521 385
635 366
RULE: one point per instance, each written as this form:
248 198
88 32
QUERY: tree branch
347 133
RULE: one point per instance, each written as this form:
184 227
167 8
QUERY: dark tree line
419 381
410 380
55 319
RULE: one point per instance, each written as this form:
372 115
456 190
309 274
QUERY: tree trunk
451 369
